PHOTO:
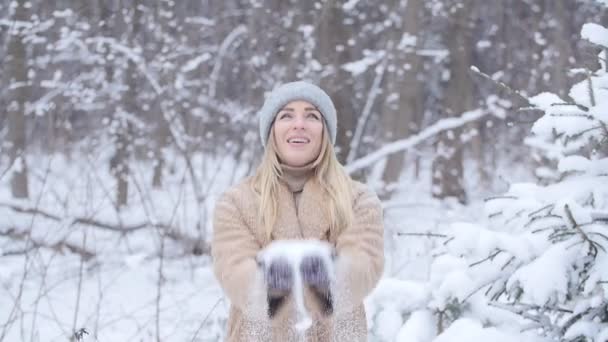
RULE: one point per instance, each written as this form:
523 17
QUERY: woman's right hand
279 277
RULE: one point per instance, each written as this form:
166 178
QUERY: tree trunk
161 130
402 113
17 94
447 167
125 131
333 52
563 20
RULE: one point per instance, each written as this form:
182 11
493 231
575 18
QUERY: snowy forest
481 125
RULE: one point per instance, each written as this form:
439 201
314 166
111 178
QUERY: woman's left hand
314 273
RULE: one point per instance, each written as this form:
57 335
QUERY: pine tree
549 243
536 268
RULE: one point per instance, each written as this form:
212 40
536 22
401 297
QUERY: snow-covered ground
127 292
122 293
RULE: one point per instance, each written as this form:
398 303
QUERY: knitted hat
293 91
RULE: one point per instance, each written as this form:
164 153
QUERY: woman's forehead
299 103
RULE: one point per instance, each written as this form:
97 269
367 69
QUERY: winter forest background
482 125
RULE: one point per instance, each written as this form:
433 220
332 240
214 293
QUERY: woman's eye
313 116
285 116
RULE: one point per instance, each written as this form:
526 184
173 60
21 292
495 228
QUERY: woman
299 191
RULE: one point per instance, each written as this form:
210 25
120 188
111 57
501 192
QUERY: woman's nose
299 122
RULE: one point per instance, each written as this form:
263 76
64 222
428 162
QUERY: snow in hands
294 252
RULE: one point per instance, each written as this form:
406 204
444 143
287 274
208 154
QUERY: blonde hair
328 173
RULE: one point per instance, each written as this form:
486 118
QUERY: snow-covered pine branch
551 237
536 267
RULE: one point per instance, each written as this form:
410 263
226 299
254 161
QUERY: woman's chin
298 162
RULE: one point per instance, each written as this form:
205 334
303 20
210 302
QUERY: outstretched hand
278 276
315 272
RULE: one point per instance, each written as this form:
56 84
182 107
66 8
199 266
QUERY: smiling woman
299 192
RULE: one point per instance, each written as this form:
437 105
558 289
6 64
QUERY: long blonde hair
329 174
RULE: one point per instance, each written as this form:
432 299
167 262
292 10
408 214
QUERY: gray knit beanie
292 91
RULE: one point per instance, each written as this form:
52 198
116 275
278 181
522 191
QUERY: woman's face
298 133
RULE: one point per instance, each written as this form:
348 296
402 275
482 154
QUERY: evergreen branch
604 128
579 134
590 89
490 257
497 294
579 106
600 235
541 209
501 85
507 263
554 227
538 218
475 291
516 216
593 247
423 234
492 198
598 245
558 236
515 310
523 309
572 115
575 225
496 214
530 109
575 243
593 311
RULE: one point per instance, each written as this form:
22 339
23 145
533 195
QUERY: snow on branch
367 110
132 55
168 230
407 143
595 33
228 41
35 243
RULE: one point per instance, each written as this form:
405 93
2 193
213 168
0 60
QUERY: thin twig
77 220
206 318
159 286
36 244
76 335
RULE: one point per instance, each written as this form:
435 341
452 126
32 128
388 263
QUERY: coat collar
309 220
